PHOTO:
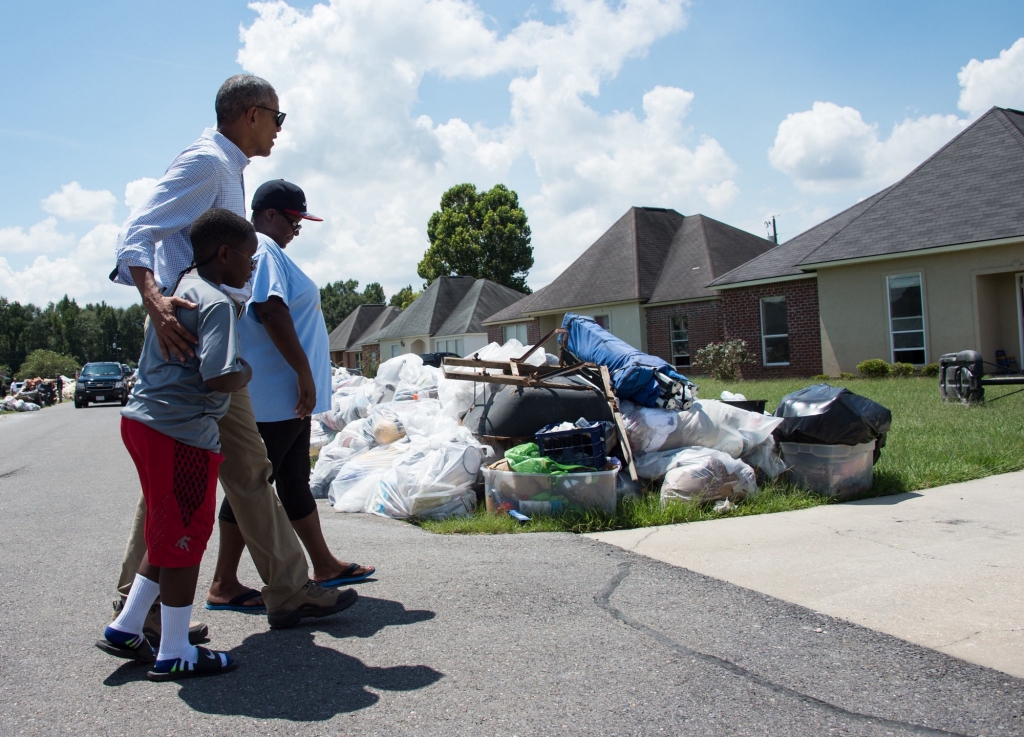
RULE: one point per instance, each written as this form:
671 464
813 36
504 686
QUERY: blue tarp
632 371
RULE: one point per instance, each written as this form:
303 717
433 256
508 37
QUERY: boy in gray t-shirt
170 430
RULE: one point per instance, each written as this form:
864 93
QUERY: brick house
645 281
932 264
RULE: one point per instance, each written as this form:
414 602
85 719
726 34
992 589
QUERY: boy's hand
307 395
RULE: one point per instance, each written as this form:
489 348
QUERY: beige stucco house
931 265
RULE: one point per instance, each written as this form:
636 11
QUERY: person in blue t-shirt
284 338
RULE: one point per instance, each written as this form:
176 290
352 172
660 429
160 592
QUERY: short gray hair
240 93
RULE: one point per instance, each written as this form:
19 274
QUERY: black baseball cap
278 194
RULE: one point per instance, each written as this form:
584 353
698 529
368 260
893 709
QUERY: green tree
374 294
404 297
339 298
47 365
479 234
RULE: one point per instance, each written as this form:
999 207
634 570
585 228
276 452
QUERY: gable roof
451 305
362 322
650 254
971 190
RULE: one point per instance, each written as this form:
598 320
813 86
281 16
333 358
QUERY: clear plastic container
841 471
539 493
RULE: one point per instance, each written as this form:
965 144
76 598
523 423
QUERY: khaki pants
245 475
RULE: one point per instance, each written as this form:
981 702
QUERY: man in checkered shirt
153 249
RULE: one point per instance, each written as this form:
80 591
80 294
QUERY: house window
680 341
774 331
394 351
359 361
516 332
906 318
451 345
603 321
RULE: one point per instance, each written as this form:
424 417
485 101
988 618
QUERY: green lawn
931 444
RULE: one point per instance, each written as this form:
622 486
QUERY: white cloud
74 203
80 273
136 192
991 82
39 238
831 148
349 75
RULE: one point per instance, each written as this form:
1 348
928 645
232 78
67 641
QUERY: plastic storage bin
540 493
841 471
582 446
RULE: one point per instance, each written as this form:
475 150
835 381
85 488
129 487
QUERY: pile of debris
536 433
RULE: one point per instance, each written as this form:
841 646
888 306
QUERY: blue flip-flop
237 604
346 577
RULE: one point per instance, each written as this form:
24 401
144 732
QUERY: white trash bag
767 458
434 480
355 480
706 475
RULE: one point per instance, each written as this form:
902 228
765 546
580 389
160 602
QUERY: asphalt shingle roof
452 305
362 322
971 190
652 255
516 310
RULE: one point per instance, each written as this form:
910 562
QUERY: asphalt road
509 635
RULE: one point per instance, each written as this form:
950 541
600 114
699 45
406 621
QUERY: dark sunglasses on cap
278 115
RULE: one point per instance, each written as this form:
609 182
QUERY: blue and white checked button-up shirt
206 174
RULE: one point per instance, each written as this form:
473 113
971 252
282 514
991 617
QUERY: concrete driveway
943 568
548 634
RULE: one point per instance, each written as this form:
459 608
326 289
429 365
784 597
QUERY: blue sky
106 93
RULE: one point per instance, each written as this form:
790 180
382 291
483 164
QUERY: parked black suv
436 359
100 382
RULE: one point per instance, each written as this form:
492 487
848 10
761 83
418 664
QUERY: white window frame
924 321
358 361
518 330
449 345
394 351
672 341
764 349
607 320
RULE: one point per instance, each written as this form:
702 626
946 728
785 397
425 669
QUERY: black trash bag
832 416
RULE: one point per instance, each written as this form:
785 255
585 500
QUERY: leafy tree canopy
339 298
85 333
479 234
47 365
404 297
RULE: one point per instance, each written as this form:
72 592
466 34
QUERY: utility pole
774 231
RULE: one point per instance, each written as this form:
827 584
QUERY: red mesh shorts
179 483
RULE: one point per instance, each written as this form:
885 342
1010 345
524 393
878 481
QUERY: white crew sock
140 599
174 634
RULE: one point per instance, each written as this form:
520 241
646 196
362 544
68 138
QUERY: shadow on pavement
284 674
886 500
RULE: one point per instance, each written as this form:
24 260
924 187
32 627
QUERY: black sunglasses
278 115
253 260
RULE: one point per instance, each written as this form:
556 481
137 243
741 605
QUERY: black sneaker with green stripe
126 645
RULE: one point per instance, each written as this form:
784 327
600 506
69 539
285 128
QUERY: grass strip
932 443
